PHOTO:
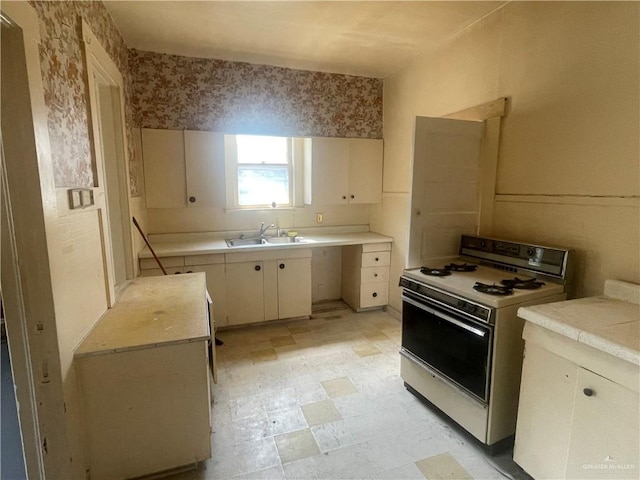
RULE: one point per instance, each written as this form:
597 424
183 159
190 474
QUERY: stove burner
493 289
461 267
435 272
531 284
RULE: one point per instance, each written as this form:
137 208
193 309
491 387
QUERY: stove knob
531 252
461 304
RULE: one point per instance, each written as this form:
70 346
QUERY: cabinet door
365 170
164 168
216 286
245 294
544 413
294 287
604 430
204 160
329 171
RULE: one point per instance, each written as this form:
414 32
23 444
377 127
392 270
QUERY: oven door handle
421 306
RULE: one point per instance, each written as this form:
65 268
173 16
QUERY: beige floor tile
366 349
339 387
441 467
296 445
296 329
375 336
282 341
319 413
266 355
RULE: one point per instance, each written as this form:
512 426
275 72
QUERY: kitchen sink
247 242
285 240
244 242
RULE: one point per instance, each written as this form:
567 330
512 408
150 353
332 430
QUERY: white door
330 171
245 292
445 187
294 287
204 165
604 430
365 170
164 170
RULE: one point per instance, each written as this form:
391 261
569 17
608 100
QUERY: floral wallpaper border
171 91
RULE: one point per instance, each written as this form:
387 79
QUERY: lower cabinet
578 417
144 380
294 287
365 275
268 285
245 292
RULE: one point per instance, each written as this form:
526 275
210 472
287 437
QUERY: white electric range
461 338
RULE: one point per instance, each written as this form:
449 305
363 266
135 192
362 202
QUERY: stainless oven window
451 344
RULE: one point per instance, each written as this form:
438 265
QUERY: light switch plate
87 197
75 200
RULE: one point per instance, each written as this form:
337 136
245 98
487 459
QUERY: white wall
568 170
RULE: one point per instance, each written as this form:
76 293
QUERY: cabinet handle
377 259
375 274
189 271
177 273
192 199
588 392
344 197
375 294
353 196
257 268
282 266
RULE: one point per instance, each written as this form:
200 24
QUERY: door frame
28 220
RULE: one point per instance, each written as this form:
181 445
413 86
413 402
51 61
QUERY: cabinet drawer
374 295
376 259
212 259
374 275
376 247
166 262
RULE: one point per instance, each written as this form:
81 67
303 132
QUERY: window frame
231 163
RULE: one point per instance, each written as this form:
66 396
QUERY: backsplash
63 74
176 92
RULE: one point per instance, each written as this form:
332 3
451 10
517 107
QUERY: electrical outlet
319 218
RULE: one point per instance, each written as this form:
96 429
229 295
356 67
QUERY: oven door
447 342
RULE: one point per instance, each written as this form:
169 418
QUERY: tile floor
323 399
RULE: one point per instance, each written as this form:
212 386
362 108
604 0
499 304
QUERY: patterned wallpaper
172 91
65 89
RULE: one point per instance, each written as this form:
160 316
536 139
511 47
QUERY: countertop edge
220 247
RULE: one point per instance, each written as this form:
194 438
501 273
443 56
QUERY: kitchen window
260 171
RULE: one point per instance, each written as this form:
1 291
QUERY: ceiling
368 38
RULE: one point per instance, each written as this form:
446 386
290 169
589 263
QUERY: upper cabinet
183 168
204 161
343 171
164 172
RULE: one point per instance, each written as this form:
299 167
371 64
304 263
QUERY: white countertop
610 322
199 245
152 311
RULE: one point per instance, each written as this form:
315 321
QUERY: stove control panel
545 260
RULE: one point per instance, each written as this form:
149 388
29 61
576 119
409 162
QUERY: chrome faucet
263 229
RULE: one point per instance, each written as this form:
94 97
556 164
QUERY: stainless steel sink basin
243 242
277 240
247 242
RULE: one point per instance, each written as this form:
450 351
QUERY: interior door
445 187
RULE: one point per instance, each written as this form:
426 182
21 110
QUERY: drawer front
376 247
374 275
374 295
376 259
166 262
213 259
